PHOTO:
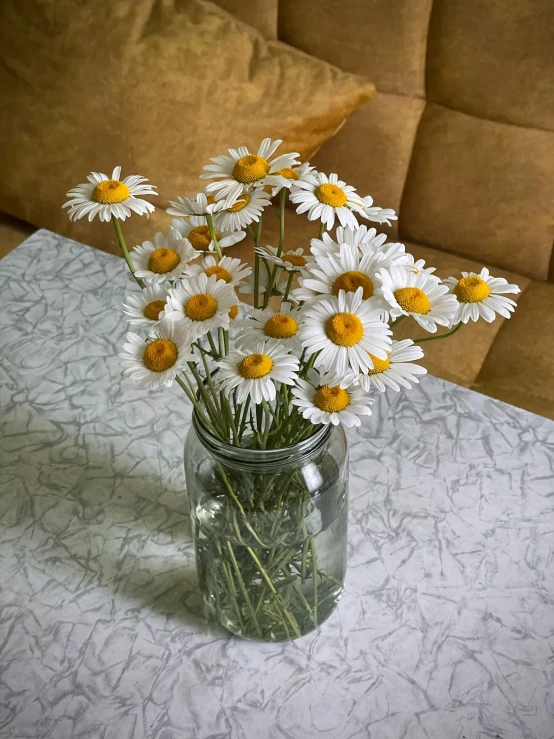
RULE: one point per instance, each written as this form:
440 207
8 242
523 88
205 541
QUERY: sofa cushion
261 15
494 59
386 41
480 182
374 148
12 233
168 86
482 189
519 365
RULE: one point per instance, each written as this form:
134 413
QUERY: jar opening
262 457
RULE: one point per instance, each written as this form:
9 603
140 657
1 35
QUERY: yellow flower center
200 237
344 329
280 327
250 168
109 192
351 281
472 289
163 260
412 300
288 173
233 312
210 199
254 366
201 307
295 259
160 355
220 272
153 309
331 399
379 365
330 195
241 203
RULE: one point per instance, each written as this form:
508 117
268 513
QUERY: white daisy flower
395 254
325 246
154 362
346 270
480 295
166 258
321 400
396 370
146 307
291 174
378 215
417 266
243 171
344 330
366 239
201 304
422 296
229 269
198 205
247 288
274 327
254 372
325 198
105 197
197 232
291 261
247 208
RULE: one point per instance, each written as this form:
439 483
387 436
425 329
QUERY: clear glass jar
270 531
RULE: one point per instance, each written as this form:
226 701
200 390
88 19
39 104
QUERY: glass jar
270 530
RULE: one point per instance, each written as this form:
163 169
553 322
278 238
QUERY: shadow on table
99 524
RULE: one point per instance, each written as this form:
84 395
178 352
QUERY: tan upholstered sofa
460 141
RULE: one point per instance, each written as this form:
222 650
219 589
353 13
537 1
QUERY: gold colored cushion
493 59
156 87
12 233
518 368
261 15
385 40
482 189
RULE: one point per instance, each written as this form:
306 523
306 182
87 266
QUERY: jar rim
257 457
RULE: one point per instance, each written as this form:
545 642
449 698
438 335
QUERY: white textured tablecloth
446 627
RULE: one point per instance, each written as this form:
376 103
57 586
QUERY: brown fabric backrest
460 139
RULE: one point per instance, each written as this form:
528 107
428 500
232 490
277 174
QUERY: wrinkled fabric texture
459 139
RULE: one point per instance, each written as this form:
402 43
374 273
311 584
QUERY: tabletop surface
445 629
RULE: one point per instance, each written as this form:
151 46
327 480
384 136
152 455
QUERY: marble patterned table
446 627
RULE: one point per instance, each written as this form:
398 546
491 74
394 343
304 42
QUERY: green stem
211 404
244 591
191 396
443 336
257 264
309 365
213 347
321 227
289 285
397 321
210 222
271 282
290 618
125 251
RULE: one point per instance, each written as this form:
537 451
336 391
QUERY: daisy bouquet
308 352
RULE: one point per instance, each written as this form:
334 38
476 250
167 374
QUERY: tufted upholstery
460 141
